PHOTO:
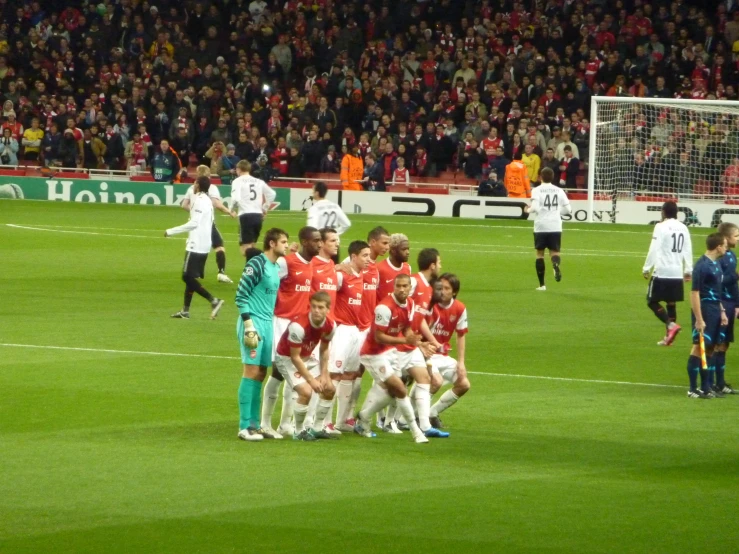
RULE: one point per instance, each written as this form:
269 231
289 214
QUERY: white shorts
446 366
279 326
287 369
380 366
407 360
345 347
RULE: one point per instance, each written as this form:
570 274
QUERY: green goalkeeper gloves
251 336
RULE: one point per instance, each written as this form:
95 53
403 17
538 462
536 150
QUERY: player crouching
449 315
302 372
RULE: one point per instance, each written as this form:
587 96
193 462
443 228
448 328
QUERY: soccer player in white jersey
250 200
199 229
216 237
670 262
325 214
548 204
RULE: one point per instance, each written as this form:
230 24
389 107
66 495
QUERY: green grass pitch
134 451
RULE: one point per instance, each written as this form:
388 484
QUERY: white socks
344 397
300 412
269 399
289 397
327 419
376 400
311 417
422 396
404 405
324 407
356 391
446 401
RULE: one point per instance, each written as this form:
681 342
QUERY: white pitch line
79 232
236 358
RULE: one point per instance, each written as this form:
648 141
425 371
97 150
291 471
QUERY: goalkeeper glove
251 336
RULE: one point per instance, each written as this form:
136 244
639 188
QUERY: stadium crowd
381 92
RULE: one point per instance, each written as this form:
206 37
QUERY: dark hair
321 296
321 188
377 233
714 240
726 228
453 281
357 246
273 235
401 276
306 233
669 208
252 253
426 257
568 148
326 231
203 183
547 174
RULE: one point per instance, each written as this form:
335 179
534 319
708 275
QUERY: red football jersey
489 145
421 292
446 320
293 296
303 334
349 299
324 279
392 319
370 278
388 272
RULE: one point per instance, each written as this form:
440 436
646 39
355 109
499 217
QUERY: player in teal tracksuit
255 299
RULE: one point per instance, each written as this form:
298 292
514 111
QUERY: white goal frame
595 123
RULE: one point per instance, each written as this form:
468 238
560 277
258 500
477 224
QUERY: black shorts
711 313
726 334
250 227
665 290
194 265
551 241
216 239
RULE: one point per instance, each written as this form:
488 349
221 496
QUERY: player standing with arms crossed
251 199
548 204
296 361
670 259
199 229
708 314
449 315
216 237
293 301
325 214
730 301
255 299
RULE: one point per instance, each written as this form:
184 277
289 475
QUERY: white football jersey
250 195
213 192
200 225
548 204
325 213
671 252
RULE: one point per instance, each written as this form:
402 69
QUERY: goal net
663 148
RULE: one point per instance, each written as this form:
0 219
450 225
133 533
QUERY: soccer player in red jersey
395 264
324 270
390 328
449 315
293 300
344 362
302 372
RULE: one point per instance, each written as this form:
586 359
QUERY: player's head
320 304
202 171
243 168
329 242
320 190
400 248
716 243
275 241
429 260
359 254
547 175
310 240
402 288
731 232
669 210
449 287
379 241
202 184
252 253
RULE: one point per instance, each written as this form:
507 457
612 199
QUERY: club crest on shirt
338 363
253 354
249 270
453 318
382 369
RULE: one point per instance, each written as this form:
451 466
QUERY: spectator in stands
569 168
69 150
93 151
499 163
32 138
559 153
313 153
473 158
50 146
114 148
263 170
641 172
550 161
532 162
373 178
330 163
228 165
8 148
401 175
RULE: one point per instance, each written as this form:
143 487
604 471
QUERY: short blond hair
396 239
202 171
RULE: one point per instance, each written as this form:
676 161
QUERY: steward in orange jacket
352 170
516 180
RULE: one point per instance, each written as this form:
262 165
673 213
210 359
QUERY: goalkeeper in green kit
255 299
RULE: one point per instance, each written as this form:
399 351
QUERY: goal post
662 148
